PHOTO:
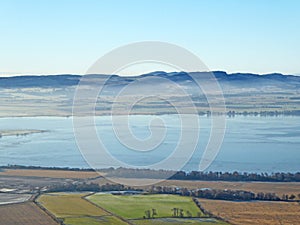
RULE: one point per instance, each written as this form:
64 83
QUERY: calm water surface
252 144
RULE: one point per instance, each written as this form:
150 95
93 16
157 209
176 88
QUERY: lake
251 144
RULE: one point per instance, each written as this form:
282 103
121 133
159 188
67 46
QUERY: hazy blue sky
67 36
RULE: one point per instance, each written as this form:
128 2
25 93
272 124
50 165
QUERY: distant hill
244 93
222 77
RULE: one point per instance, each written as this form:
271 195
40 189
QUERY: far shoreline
227 115
23 132
140 173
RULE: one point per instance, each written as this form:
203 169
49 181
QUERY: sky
68 36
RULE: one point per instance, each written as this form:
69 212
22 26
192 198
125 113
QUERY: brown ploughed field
254 213
49 173
24 214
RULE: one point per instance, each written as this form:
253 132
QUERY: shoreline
239 115
160 174
8 133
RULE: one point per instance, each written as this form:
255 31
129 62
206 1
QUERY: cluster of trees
197 175
150 214
286 197
137 173
236 176
75 186
177 212
179 175
233 113
83 186
226 194
233 195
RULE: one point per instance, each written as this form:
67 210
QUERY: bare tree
175 212
154 213
147 214
181 213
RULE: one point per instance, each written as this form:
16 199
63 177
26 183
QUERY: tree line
237 176
208 193
199 175
179 175
225 194
83 186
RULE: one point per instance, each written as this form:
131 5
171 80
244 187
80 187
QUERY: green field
178 221
74 210
69 205
134 206
104 220
101 209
